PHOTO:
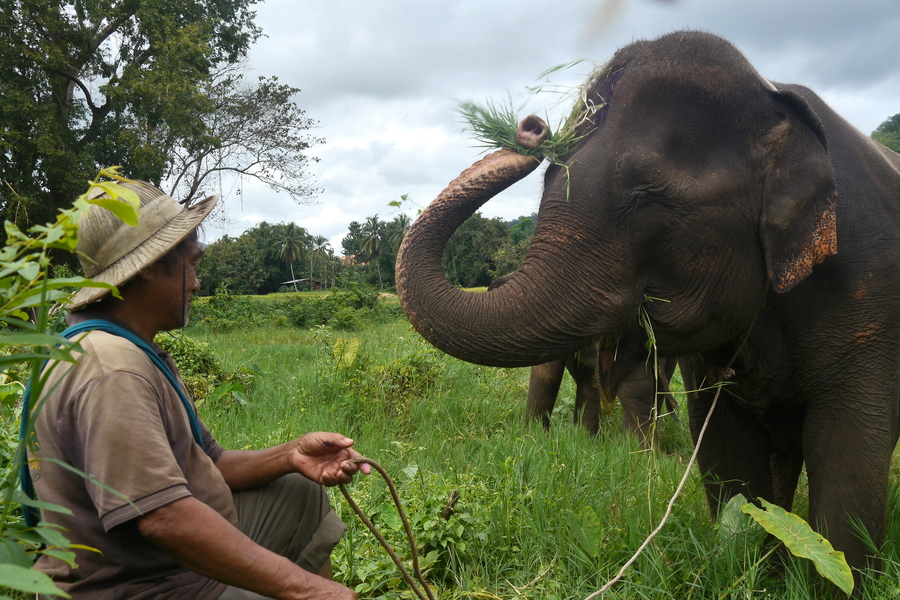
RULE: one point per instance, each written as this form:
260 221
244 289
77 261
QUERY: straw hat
112 252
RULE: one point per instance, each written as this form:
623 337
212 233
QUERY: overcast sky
383 78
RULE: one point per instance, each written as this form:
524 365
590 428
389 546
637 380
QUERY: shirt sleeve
127 435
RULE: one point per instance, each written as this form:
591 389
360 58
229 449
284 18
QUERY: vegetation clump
496 124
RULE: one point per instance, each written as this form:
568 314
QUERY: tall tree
396 230
319 248
252 131
888 133
87 83
468 257
292 247
233 263
351 245
372 243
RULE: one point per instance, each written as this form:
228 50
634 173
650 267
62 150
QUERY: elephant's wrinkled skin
769 230
600 377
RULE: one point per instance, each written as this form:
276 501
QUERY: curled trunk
520 323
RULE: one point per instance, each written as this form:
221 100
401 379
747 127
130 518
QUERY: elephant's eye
638 198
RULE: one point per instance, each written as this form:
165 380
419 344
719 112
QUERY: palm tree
291 247
396 231
372 244
319 248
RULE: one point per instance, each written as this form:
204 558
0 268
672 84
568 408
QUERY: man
173 514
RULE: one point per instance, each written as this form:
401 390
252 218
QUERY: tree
351 245
141 83
254 132
396 230
372 243
468 256
511 252
888 133
264 239
319 250
292 247
233 263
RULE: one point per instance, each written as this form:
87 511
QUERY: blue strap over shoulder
31 515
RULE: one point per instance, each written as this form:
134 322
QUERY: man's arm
201 540
322 457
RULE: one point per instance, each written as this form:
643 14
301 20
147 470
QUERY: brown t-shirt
118 419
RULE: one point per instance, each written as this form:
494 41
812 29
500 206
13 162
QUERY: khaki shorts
291 517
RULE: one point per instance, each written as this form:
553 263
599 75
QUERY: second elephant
642 387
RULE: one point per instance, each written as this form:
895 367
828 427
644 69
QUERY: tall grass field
542 515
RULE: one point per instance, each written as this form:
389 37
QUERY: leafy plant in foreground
27 293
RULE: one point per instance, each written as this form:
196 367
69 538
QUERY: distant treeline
285 257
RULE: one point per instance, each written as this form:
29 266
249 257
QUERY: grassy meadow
540 515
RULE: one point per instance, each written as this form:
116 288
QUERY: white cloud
383 79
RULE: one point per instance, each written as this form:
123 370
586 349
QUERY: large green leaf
736 527
587 529
345 351
14 553
26 580
803 542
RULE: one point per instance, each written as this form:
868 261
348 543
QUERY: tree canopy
888 133
152 85
469 256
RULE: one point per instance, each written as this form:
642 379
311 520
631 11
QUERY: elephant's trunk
510 326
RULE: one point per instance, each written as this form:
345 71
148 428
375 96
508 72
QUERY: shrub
201 371
347 308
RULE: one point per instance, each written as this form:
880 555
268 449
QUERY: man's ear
798 224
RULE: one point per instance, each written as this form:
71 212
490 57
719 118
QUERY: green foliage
469 256
803 542
348 307
256 262
232 264
888 133
376 386
25 346
352 242
203 375
91 82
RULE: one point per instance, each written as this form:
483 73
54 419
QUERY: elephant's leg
638 397
786 468
587 391
543 387
848 455
665 400
735 453
644 396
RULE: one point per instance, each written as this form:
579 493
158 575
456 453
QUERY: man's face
177 285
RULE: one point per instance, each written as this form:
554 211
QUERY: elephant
643 392
601 375
753 228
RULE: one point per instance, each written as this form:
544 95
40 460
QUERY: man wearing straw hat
172 513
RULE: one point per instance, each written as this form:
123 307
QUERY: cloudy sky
384 78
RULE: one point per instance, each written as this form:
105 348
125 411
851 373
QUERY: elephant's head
695 188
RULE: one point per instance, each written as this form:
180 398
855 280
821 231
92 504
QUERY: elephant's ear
798 221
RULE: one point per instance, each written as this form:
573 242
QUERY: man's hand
203 541
326 458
